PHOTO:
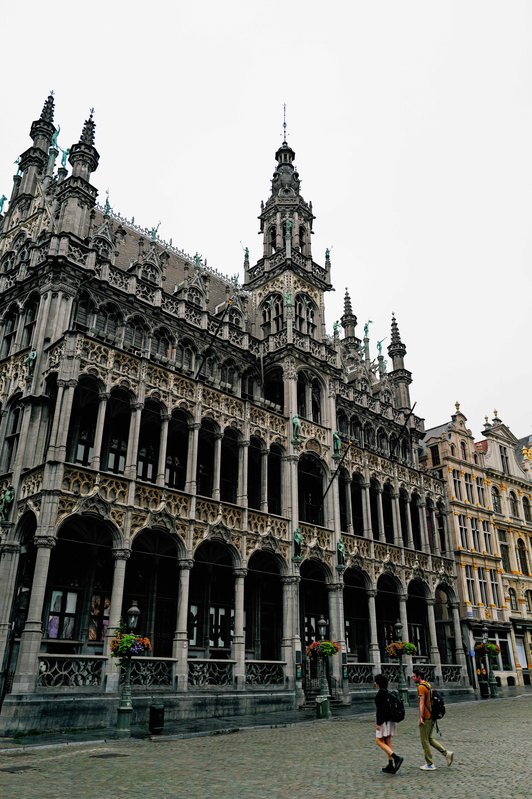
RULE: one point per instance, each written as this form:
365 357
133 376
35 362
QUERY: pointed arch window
302 239
11 320
235 317
14 422
134 335
514 506
272 314
184 356
82 312
305 313
107 321
30 319
272 234
526 509
161 344
195 296
104 248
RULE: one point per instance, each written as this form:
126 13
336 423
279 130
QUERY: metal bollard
323 710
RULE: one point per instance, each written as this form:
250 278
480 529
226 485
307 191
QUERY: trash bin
322 707
484 689
156 718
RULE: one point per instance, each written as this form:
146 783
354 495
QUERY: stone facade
204 449
490 494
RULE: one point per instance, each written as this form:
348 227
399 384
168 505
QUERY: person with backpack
389 710
427 721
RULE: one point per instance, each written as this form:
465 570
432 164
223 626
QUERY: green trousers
425 733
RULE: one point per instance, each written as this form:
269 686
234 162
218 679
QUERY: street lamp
401 682
492 682
125 708
324 687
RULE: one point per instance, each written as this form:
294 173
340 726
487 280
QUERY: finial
457 406
87 134
107 206
47 113
284 123
396 336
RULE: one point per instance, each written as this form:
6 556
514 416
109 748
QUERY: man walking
426 723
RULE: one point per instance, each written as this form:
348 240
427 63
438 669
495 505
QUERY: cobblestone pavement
334 759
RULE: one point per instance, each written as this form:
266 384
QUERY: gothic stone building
207 451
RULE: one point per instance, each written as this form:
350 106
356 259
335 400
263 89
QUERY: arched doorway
356 616
211 602
416 607
387 610
310 484
263 608
313 604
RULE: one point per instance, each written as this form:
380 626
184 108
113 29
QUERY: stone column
407 659
217 462
238 648
181 634
288 651
349 504
66 411
9 560
374 651
380 515
366 510
133 441
112 668
423 525
98 435
30 641
192 456
436 536
435 657
409 536
460 654
264 479
163 443
337 628
242 489
397 530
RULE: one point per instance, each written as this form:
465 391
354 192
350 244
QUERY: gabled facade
206 450
490 494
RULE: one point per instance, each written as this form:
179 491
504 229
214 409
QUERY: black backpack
395 706
437 703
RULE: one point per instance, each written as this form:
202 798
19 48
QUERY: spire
348 320
47 113
400 376
396 336
87 134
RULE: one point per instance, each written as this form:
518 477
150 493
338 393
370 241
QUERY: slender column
133 442
30 641
242 489
435 657
409 536
9 560
374 652
436 536
348 504
57 417
112 668
217 462
397 531
98 435
380 515
423 525
289 588
238 648
337 625
264 479
163 443
181 634
66 411
366 510
459 647
192 456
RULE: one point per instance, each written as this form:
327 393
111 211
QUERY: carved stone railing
360 673
152 672
70 671
204 673
391 671
452 674
264 672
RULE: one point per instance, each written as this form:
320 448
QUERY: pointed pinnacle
47 113
396 336
348 309
87 134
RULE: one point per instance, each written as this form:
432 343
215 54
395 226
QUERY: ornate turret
400 376
32 162
76 195
348 320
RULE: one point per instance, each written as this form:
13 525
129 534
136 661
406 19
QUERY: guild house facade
206 452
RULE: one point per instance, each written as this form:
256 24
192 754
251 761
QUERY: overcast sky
412 126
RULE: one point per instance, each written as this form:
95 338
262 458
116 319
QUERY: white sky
412 126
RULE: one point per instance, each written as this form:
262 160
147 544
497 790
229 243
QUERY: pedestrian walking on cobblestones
385 727
427 723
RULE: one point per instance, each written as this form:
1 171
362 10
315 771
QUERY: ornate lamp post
324 687
401 682
492 682
125 708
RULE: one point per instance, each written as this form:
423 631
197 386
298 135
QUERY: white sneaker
428 767
449 757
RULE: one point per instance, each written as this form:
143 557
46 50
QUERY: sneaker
390 769
449 757
428 767
398 761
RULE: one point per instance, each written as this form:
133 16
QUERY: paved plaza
316 759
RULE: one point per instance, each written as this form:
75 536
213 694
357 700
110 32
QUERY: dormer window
195 297
504 460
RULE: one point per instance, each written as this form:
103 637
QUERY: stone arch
311 487
357 583
263 602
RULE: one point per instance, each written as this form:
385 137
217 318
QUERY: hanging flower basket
322 649
126 645
487 649
398 648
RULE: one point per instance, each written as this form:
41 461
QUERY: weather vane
284 123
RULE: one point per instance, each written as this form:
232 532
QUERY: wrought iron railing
202 673
70 671
152 672
264 672
360 673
